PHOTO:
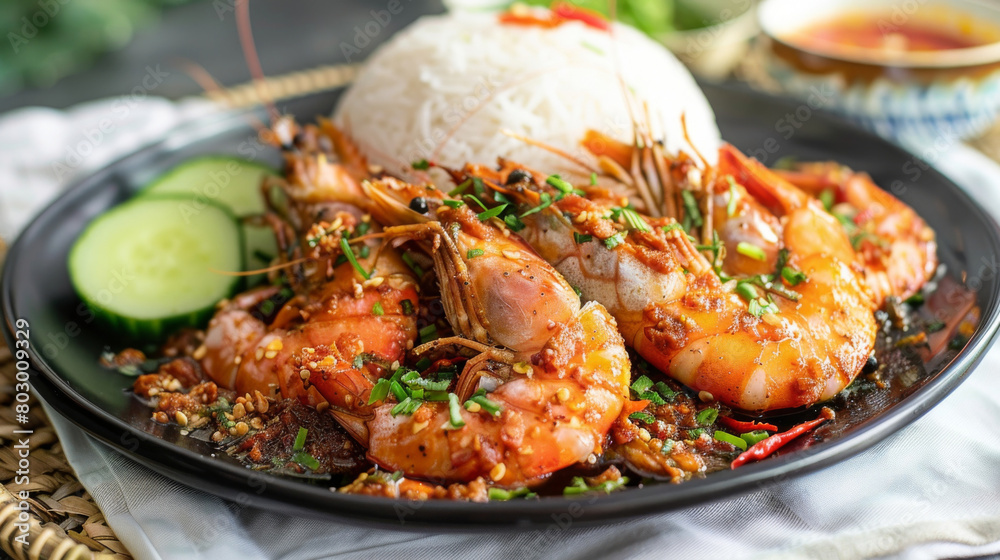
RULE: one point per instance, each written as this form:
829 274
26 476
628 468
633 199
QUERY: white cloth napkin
930 491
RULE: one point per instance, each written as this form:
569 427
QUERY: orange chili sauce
877 31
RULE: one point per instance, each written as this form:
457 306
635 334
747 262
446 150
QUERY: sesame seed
238 360
497 472
591 459
705 396
304 374
200 352
260 354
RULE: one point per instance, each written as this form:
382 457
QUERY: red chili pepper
444 363
765 447
740 426
512 18
566 10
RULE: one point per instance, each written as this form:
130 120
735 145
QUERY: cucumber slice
146 267
232 182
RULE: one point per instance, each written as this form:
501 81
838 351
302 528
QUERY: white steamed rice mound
469 77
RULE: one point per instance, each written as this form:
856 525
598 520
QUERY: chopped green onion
653 397
408 259
642 384
754 436
379 392
423 363
707 416
665 391
306 460
747 291
546 199
751 251
407 407
499 197
475 199
460 188
477 185
560 184
579 486
450 203
576 291
672 227
491 407
826 197
935 326
513 222
428 333
792 276
407 306
615 240
580 238
733 194
454 411
364 252
300 439
377 309
760 307
731 439
593 179
500 495
422 165
695 433
691 208
414 379
492 213
473 253
642 417
915 300
783 255
349 253
397 390
635 221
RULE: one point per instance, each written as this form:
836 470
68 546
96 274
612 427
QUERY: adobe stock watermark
32 24
121 108
365 34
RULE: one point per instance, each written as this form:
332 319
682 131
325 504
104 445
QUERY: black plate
65 347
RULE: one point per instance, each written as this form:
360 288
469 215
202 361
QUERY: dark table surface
290 35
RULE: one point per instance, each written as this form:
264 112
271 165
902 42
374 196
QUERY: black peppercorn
419 205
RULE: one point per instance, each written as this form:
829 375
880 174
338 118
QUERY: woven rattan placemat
64 522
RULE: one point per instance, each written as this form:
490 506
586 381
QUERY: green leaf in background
655 17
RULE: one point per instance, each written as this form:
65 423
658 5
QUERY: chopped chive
653 397
695 433
581 238
454 411
408 259
691 209
377 309
754 436
407 306
783 255
546 201
560 184
428 333
414 379
500 495
576 291
751 251
665 391
349 253
475 199
300 439
364 252
579 486
635 221
499 197
406 407
739 443
422 165
397 390
707 416
477 186
615 240
642 417
460 188
473 253
362 229
379 392
491 407
731 205
435 396
513 222
792 276
760 307
747 291
826 197
450 203
915 300
935 326
423 363
492 212
306 460
672 227
593 179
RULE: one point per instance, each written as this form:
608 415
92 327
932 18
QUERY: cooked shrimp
559 372
671 306
897 247
336 320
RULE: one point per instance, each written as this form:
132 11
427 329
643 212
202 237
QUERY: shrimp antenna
252 60
211 86
549 148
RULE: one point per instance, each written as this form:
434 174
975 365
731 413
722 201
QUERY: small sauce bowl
913 69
